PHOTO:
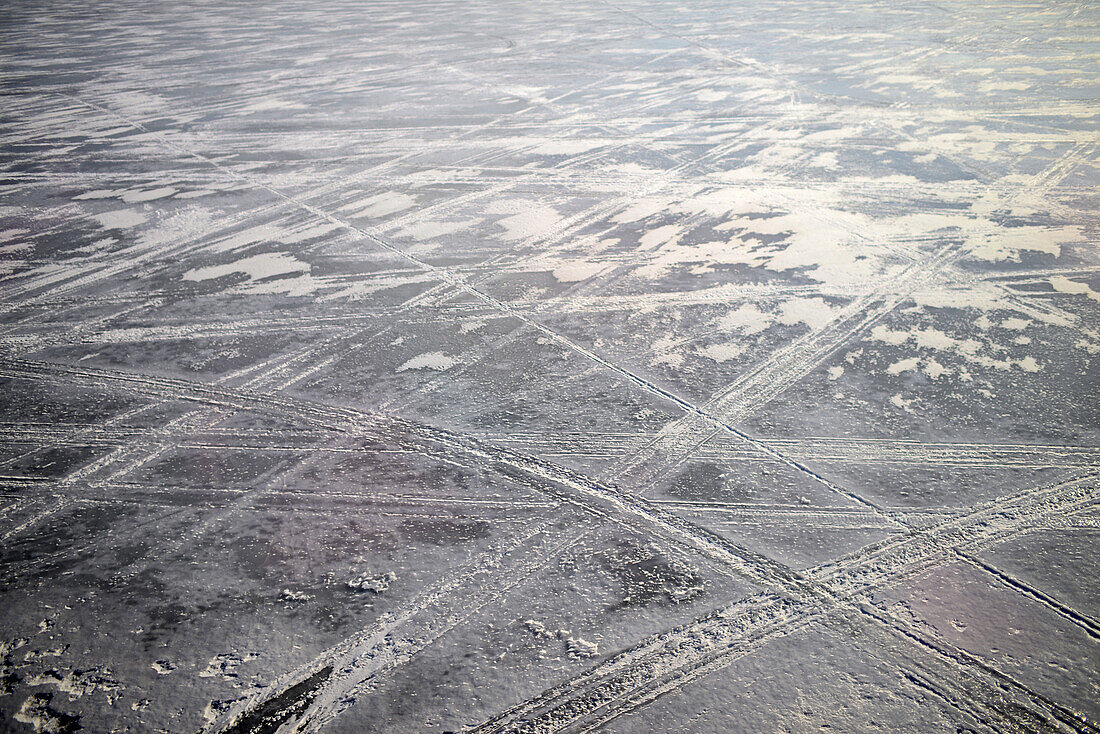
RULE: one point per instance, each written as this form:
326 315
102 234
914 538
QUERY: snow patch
437 361
747 319
120 219
379 205
813 312
1065 285
133 197
575 272
256 267
723 352
376 583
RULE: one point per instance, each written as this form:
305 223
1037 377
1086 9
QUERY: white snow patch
537 628
303 285
711 95
672 359
256 267
430 230
579 648
120 219
748 319
163 667
567 147
224 665
1016 324
98 194
1006 243
934 369
903 365
667 235
527 219
11 234
250 236
133 197
1065 285
723 352
272 103
195 193
467 327
813 312
643 209
899 402
437 361
577 271
308 233
375 583
80 683
36 713
1028 364
379 205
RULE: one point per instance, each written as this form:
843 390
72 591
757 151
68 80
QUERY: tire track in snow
670 660
628 374
776 373
462 285
840 449
360 661
546 478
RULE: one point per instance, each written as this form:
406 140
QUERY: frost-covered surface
549 366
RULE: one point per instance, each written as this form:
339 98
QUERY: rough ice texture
497 366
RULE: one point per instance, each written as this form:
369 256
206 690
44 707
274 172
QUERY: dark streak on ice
276 711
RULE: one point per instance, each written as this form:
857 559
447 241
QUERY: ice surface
562 366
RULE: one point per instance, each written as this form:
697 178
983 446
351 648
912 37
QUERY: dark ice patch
647 576
444 531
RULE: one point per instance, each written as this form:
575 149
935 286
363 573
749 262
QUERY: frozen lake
626 366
